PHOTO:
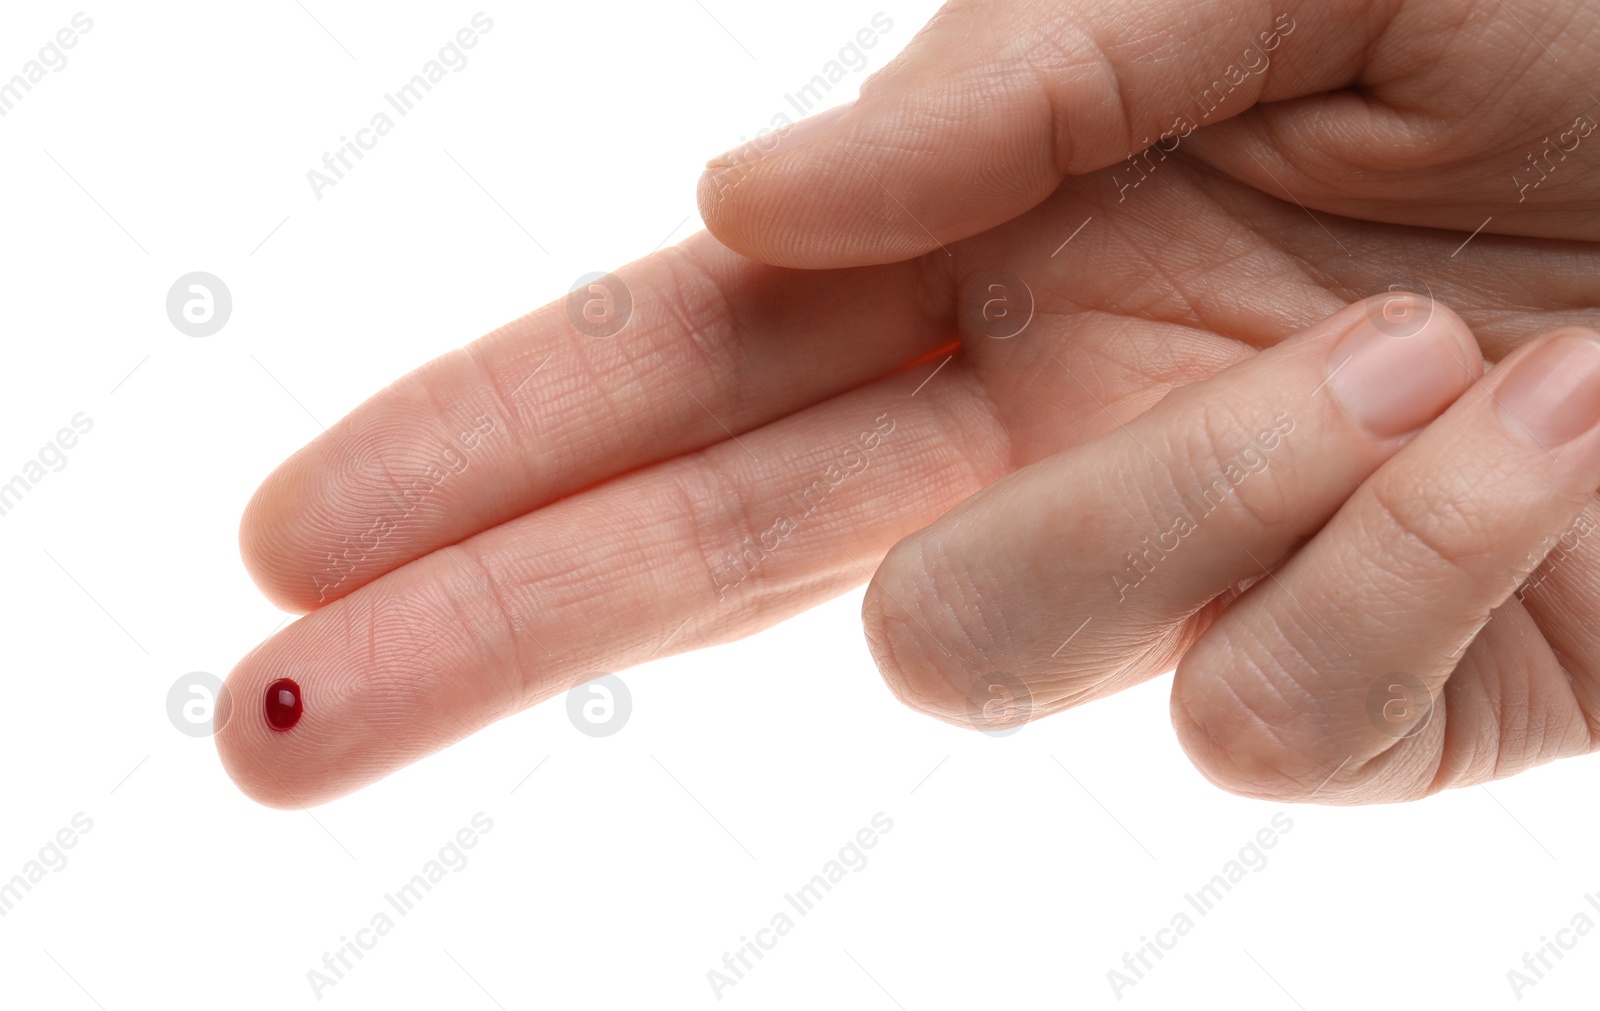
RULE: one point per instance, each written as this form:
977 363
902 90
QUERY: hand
1425 113
602 509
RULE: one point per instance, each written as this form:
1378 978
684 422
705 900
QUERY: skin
590 523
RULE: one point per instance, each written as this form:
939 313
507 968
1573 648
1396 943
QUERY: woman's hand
1430 113
552 502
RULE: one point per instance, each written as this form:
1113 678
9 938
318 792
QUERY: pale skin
1400 520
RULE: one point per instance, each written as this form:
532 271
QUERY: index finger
544 407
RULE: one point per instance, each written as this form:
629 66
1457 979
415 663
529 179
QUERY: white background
1018 870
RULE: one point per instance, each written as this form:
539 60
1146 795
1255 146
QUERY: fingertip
908 171
255 756
1401 313
1234 748
395 671
1549 393
907 622
900 653
264 550
800 214
1399 361
243 761
318 755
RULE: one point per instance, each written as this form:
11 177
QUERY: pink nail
1553 394
1395 373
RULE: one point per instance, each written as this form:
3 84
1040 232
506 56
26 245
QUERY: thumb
993 103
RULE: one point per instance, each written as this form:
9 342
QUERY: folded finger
1090 570
1275 697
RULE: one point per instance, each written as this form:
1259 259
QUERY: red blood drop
283 704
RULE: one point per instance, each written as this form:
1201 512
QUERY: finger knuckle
1428 530
1219 470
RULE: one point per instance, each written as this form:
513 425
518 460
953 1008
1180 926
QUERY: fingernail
1396 373
785 138
1553 394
